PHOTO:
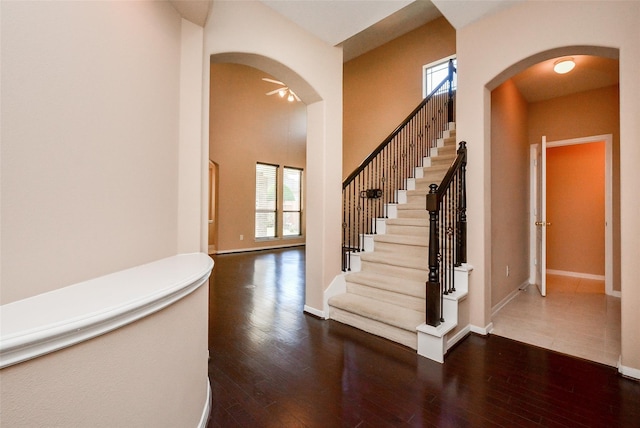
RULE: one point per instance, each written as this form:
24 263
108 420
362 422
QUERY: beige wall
89 140
509 192
92 140
141 375
585 114
246 127
487 57
384 85
575 208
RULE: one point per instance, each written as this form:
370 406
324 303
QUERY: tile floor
575 318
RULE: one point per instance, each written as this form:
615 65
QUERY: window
266 200
291 201
274 218
436 72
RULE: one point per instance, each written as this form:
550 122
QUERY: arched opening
249 128
528 101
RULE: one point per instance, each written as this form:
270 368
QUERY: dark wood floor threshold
272 365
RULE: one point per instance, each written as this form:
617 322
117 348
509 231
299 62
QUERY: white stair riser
355 262
391 210
401 196
366 242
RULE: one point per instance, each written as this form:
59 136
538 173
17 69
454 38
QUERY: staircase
385 291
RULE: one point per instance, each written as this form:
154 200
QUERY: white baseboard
575 274
502 303
481 330
314 311
206 411
337 286
458 337
628 371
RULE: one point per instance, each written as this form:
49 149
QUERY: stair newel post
450 98
461 251
433 285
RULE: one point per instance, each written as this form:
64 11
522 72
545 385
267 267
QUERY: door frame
608 204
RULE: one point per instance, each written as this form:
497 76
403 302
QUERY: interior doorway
539 194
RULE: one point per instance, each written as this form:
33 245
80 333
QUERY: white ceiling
362 25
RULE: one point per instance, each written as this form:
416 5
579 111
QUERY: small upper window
436 72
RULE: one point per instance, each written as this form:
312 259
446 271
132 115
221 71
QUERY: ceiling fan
283 91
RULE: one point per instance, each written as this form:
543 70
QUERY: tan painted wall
384 85
575 208
509 191
89 140
585 114
140 375
499 46
92 126
246 127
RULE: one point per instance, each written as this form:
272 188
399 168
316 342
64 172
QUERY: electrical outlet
241 237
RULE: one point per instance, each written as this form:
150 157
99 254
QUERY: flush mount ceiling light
563 65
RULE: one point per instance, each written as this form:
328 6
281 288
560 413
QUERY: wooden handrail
395 132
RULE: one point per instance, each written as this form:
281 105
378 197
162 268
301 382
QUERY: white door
538 213
540 219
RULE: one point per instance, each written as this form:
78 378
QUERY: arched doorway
518 120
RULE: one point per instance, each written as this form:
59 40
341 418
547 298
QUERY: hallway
575 318
274 366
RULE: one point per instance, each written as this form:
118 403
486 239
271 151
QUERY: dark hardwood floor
274 366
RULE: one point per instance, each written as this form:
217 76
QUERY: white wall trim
313 311
206 410
337 286
628 371
67 316
458 337
501 304
481 330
